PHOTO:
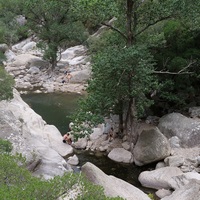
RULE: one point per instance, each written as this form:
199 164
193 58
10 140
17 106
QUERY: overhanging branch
151 24
180 72
115 29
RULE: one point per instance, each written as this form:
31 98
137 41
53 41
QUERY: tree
55 25
123 75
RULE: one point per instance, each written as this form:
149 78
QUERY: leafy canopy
55 24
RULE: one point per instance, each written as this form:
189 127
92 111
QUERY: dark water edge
126 172
56 109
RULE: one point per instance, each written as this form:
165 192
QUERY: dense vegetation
147 63
17 183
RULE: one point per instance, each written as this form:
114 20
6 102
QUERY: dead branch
180 72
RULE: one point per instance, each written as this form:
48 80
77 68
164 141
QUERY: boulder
10 56
159 178
3 48
151 146
97 132
71 52
163 193
121 155
113 186
73 160
33 138
24 60
174 161
80 144
190 191
29 46
194 112
80 76
179 181
186 129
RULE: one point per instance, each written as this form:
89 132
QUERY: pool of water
55 109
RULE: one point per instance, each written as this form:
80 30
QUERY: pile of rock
174 145
24 62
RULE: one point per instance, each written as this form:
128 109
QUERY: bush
6 85
17 183
5 146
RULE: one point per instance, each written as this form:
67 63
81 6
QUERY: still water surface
56 109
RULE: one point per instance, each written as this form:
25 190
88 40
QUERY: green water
55 108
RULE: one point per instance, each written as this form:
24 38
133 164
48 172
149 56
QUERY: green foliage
123 67
151 196
5 146
93 12
11 31
6 85
118 75
55 25
17 183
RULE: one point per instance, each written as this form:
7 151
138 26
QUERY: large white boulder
31 136
190 191
159 178
113 186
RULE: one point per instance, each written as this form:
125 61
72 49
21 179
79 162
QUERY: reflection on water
55 108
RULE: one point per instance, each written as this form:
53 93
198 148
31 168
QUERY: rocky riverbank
173 143
31 72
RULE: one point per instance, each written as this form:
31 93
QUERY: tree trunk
130 4
131 116
121 120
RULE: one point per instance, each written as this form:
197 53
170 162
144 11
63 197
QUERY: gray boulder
151 146
113 186
194 112
3 48
186 129
179 181
80 144
159 178
80 76
190 191
121 155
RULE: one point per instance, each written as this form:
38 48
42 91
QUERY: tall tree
55 24
123 73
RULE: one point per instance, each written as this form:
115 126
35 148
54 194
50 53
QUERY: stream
55 109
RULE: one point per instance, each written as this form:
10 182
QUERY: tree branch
180 72
115 29
151 24
171 73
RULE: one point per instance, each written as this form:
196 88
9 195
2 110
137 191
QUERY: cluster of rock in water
173 143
